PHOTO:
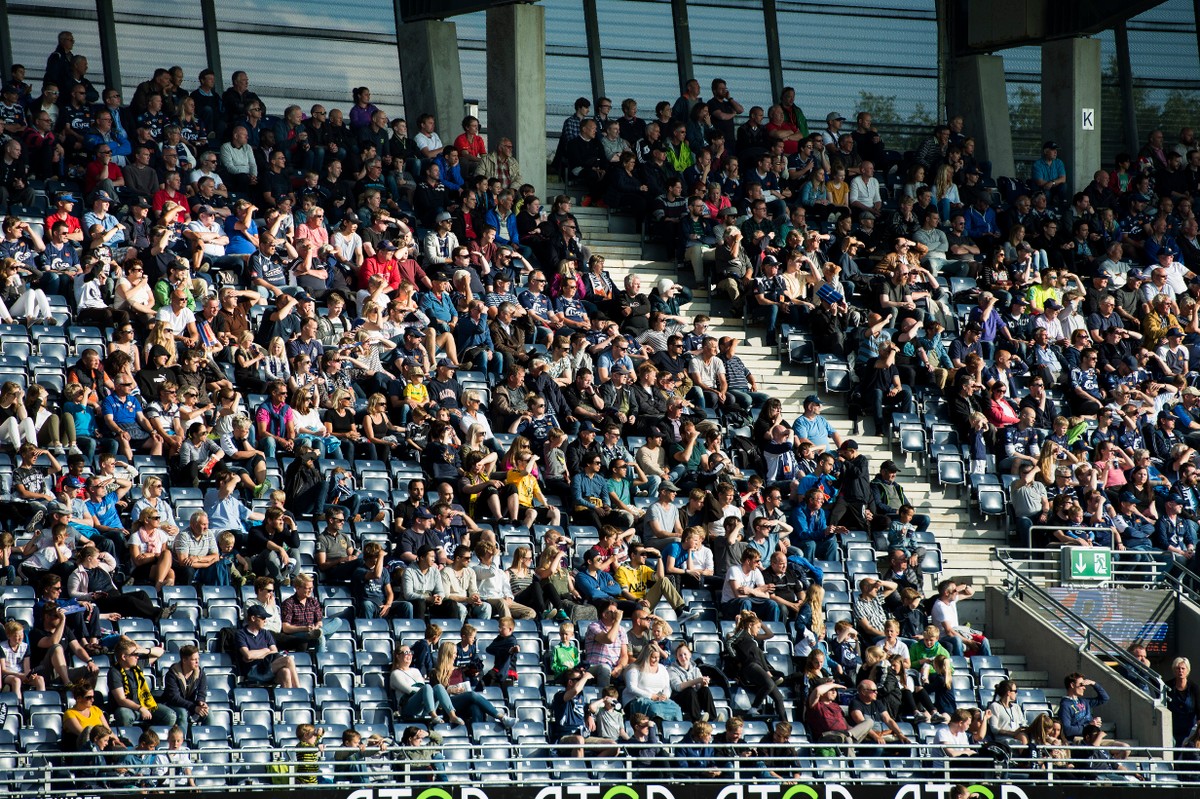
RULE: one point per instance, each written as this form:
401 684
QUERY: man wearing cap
259 657
815 427
1175 536
1050 175
440 242
114 234
64 205
981 223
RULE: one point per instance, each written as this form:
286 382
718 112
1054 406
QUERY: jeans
182 721
424 701
769 316
747 399
473 708
160 716
825 549
765 608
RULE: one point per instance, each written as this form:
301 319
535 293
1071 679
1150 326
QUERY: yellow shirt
635 580
417 392
527 488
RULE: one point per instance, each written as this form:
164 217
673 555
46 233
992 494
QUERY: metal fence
1030 573
219 769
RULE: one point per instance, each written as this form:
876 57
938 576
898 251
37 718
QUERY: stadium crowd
351 374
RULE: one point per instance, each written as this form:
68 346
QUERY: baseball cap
729 210
812 399
258 611
1050 145
1019 301
654 432
387 244
770 260
849 443
834 116
1052 305
620 370
304 296
423 513
444 216
1174 332
972 327
1140 198
201 210
139 202
102 196
587 427
412 331
1129 496
446 363
667 485
65 197
971 170
58 507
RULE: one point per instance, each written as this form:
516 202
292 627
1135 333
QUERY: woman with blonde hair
135 296
945 192
531 586
416 697
160 336
648 687
750 660
248 360
46 424
814 601
309 427
378 430
275 365
470 706
150 551
341 422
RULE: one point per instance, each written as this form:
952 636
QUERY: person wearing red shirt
383 262
102 173
172 194
470 145
64 203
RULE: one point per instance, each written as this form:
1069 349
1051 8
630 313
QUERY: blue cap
1129 496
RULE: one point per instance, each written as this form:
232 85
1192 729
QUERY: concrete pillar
109 50
591 26
6 53
1125 79
977 90
774 61
516 78
212 41
1071 103
430 75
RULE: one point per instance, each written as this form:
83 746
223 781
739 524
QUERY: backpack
747 454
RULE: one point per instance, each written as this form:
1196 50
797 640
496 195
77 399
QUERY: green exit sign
1086 563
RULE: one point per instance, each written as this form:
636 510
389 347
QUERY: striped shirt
736 374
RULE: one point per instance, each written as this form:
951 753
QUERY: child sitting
503 650
564 656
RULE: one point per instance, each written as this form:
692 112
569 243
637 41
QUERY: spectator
1075 711
945 615
129 691
185 689
261 660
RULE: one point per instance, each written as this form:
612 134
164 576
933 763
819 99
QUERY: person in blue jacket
696 754
1074 710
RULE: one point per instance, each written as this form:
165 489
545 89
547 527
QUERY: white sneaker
689 616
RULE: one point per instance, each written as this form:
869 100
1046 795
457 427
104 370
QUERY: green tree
903 132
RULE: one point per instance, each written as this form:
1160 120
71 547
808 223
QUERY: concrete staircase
966 542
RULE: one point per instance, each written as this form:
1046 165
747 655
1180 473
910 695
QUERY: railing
216 770
1022 565
1130 569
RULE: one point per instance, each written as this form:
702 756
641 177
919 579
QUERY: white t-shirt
950 740
177 322
735 576
944 612
430 142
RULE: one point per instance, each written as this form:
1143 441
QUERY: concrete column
516 78
774 61
1071 87
591 26
430 75
977 90
683 41
1125 79
212 41
109 50
6 53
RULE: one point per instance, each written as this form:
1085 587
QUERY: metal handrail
1024 588
218 769
1130 573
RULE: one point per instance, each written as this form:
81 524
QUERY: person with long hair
531 586
648 687
749 664
1007 722
415 697
470 706
690 688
